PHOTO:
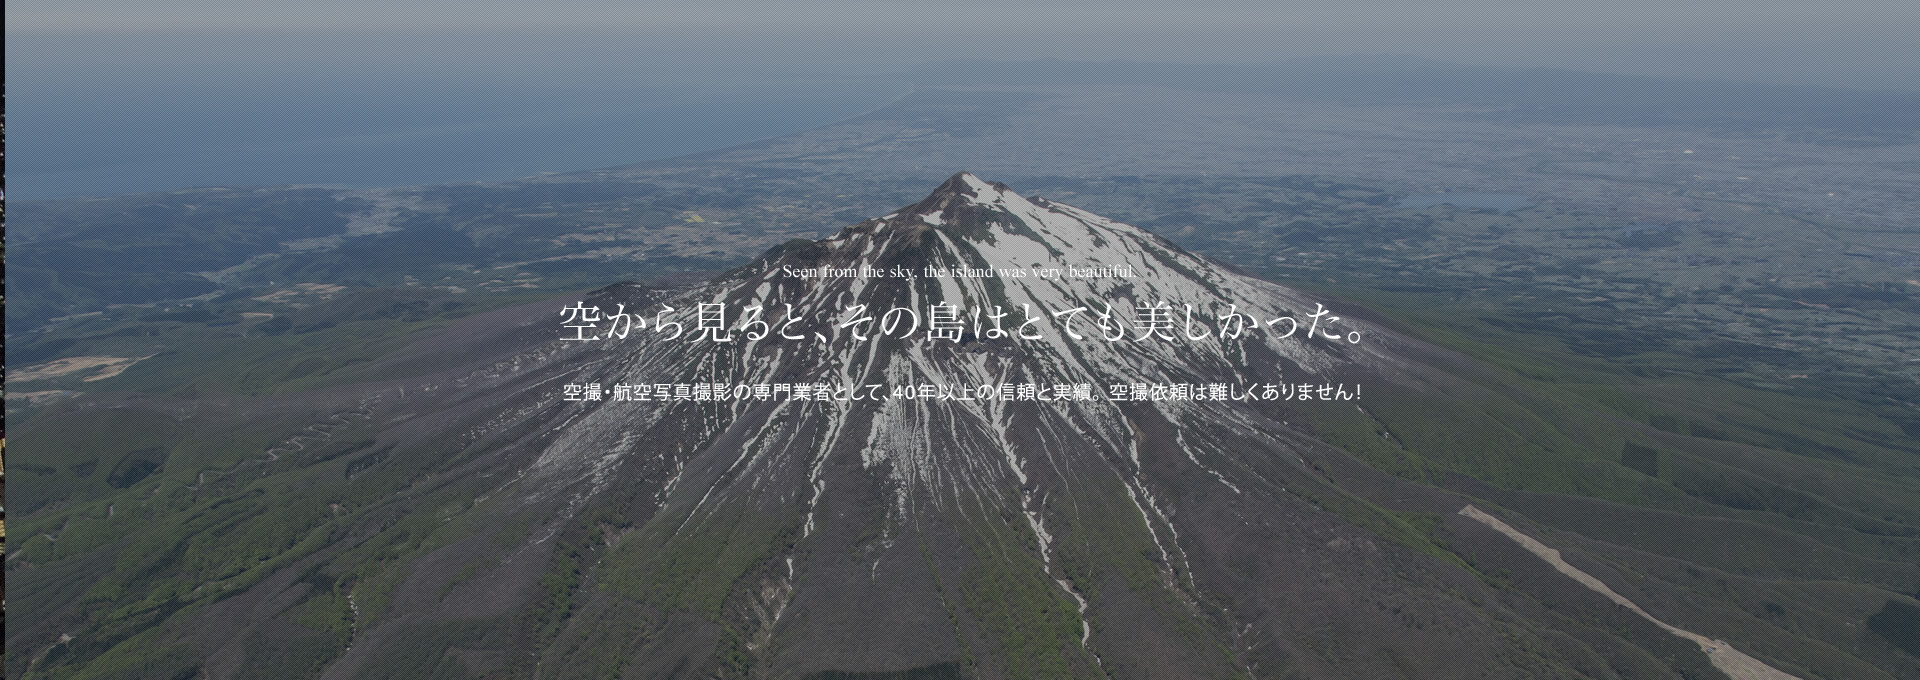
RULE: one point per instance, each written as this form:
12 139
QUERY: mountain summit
1083 478
983 436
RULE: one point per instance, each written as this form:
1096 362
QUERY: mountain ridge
915 462
468 520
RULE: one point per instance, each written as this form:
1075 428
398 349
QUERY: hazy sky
973 14
113 96
1852 42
